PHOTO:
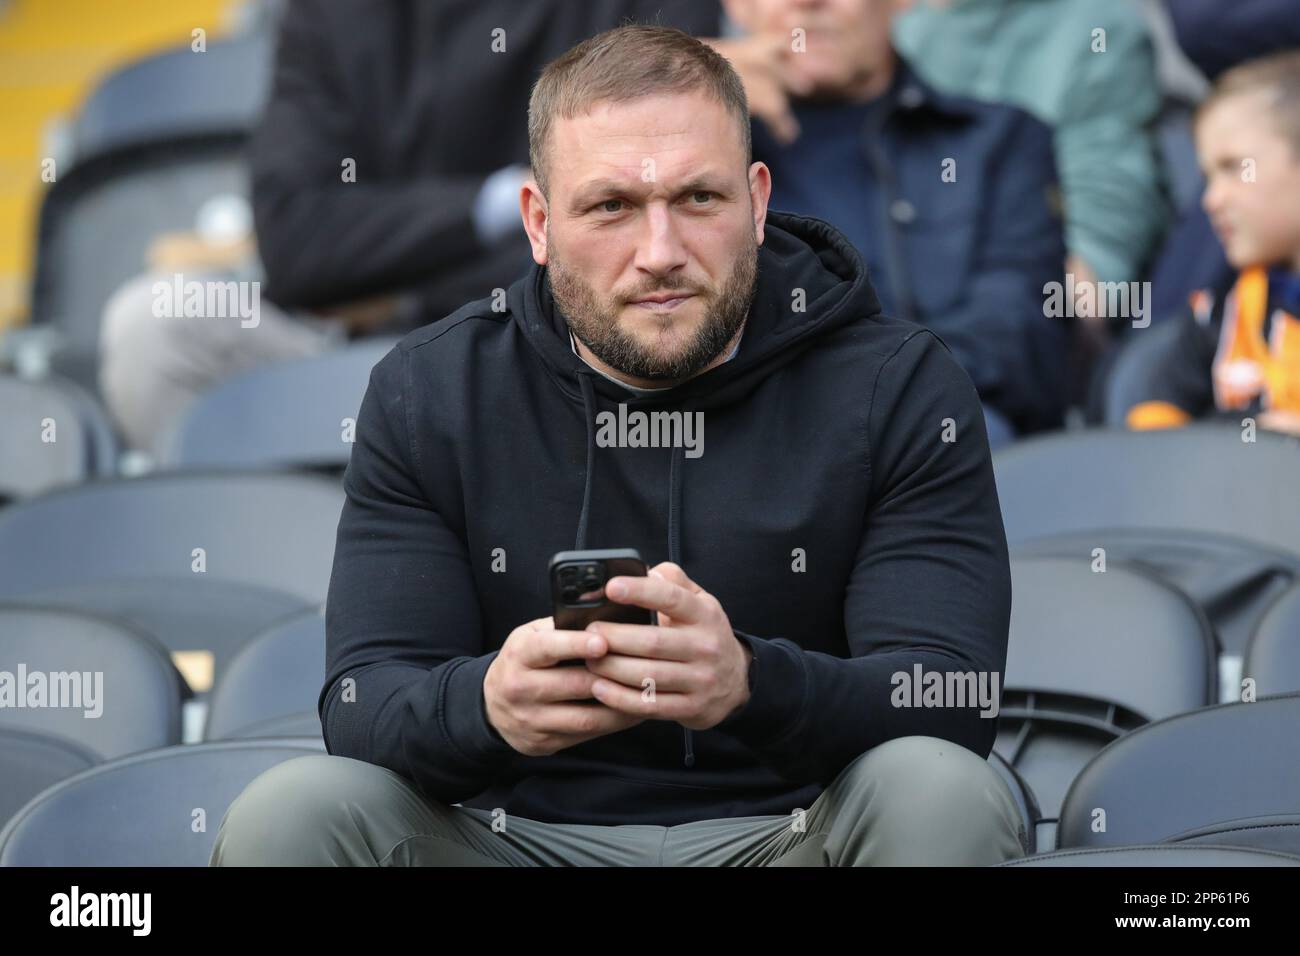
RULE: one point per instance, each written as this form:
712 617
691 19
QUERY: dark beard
595 323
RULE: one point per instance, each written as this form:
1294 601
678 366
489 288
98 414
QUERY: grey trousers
152 367
910 801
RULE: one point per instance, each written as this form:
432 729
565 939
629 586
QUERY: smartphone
578 588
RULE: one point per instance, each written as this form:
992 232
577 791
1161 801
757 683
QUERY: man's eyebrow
598 188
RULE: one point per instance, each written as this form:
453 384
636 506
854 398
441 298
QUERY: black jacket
413 92
824 440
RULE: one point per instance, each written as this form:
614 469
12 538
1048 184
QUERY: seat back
272 687
267 531
96 682
316 401
1202 478
1273 654
1092 655
1228 774
160 808
53 434
30 762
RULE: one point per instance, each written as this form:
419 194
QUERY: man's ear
760 191
535 211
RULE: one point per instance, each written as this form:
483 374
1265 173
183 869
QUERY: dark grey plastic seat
142 810
1092 655
1225 775
230 426
30 762
1160 856
126 547
1273 654
1202 478
1232 580
84 445
267 531
1131 380
97 222
176 92
272 687
132 701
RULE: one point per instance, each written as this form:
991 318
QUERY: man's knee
926 790
318 810
926 765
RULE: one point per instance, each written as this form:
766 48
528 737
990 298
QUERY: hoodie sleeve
931 586
404 644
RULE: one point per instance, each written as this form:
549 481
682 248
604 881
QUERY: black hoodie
843 512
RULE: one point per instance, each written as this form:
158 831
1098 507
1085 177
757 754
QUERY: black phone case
576 616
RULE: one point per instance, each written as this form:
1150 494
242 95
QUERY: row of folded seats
1153 674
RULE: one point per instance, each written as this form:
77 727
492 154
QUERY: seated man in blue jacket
829 563
949 200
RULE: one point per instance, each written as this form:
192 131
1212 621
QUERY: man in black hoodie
830 568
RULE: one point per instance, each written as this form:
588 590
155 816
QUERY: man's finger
676 574
657 594
548 648
651 706
645 640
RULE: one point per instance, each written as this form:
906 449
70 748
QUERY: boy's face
1252 190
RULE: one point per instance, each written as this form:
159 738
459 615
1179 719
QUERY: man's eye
617 205
708 196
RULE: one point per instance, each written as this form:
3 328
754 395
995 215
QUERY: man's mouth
663 302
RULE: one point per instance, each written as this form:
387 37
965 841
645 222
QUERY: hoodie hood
798 253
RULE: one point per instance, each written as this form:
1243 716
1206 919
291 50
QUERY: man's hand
768 69
538 707
698 668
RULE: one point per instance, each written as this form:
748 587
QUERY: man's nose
660 250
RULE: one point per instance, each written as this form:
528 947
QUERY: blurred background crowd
1027 177
217 215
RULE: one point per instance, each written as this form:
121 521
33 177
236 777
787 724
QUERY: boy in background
1236 352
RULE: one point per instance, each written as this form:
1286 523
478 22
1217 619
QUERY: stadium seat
1092 655
1130 379
133 704
53 434
313 400
1226 775
1232 580
271 688
133 547
175 93
96 223
160 808
1200 478
1206 510
30 762
1161 855
1273 654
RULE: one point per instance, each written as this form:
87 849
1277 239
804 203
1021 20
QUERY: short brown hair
626 63
1278 74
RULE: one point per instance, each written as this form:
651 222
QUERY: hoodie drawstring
589 410
675 461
